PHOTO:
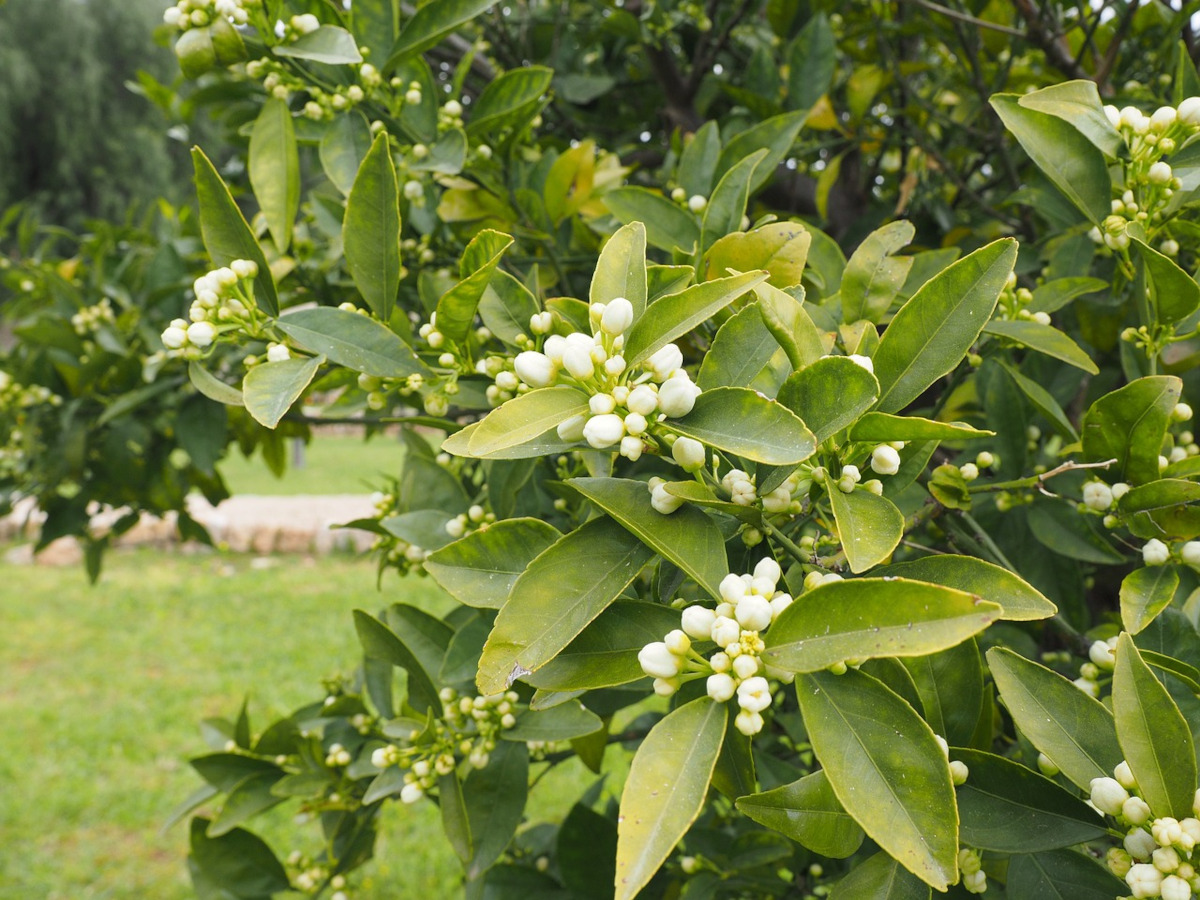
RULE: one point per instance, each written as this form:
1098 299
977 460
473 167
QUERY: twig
966 17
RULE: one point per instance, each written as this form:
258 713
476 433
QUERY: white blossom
697 622
657 660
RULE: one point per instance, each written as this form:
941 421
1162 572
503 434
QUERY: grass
333 464
103 690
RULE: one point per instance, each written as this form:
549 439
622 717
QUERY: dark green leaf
352 340
274 166
1019 599
371 231
1061 875
808 812
874 275
328 44
1043 339
480 569
1128 425
869 525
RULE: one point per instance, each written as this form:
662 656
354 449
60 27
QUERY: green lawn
333 464
102 691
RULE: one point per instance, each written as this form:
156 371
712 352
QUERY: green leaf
457 307
270 388
1054 295
455 818
506 307
779 249
1043 401
1145 593
1061 875
605 653
352 340
480 569
495 799
829 395
1153 734
562 590
727 205
787 320
880 878
371 231
808 812
1073 730
1043 339
933 331
886 768
238 862
664 793
949 684
678 314
698 162
524 418
381 642
870 526
1168 509
1064 155
447 156
508 99
742 348
329 44
1008 808
687 537
195 52
226 235
560 723
812 61
668 226
246 800
1059 527
1129 424
621 269
212 387
274 165
1078 103
772 137
1176 294
343 148
874 275
431 23
866 618
1019 600
877 426
586 853
743 422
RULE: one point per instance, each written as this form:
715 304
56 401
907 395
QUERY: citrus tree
795 407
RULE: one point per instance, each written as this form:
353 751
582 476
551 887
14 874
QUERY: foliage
597 267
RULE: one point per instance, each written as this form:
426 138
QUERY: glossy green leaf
329 44
560 592
226 235
933 331
703 495
664 793
274 167
506 308
559 723
698 162
239 862
480 569
1167 509
621 269
212 387
1019 600
687 537
743 422
779 249
457 307
249 798
772 137
1075 731
586 852
525 417
1044 339
371 230
1128 425
808 812
546 444
1176 294
1061 875
1054 295
668 226
1043 401
343 148
1145 593
495 800
880 878
949 684
874 275
1009 808
787 320
742 348
869 526
678 314
455 818
877 426
1078 103
508 99
380 642
829 395
352 340
431 23
270 388
1066 156
727 205
886 768
865 618
812 61
1153 734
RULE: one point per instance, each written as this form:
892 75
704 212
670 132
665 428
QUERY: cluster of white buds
395 552
624 403
1101 659
749 604
187 14
1014 303
1156 553
467 729
337 756
958 769
740 487
223 297
1100 497
90 318
1157 857
974 880
695 203
15 400
474 519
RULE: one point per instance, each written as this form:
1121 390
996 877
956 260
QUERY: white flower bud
554 347
1166 831
754 694
885 460
1160 173
745 666
1113 114
1189 111
696 203
1097 495
1102 655
763 586
572 429
720 686
665 361
201 334
665 687
1046 766
617 316
1140 843
1163 118
663 502
411 793
578 361
1108 796
779 603
1124 775
1144 880
614 365
733 588
658 661
769 569
1175 888
306 23
278 353
601 404
725 631
959 772
604 431
969 471
1181 412
697 622
1136 811
541 323
1165 859
677 396
748 723
720 661
689 453
753 612
863 361
642 400
244 268
174 337
632 447
1155 552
